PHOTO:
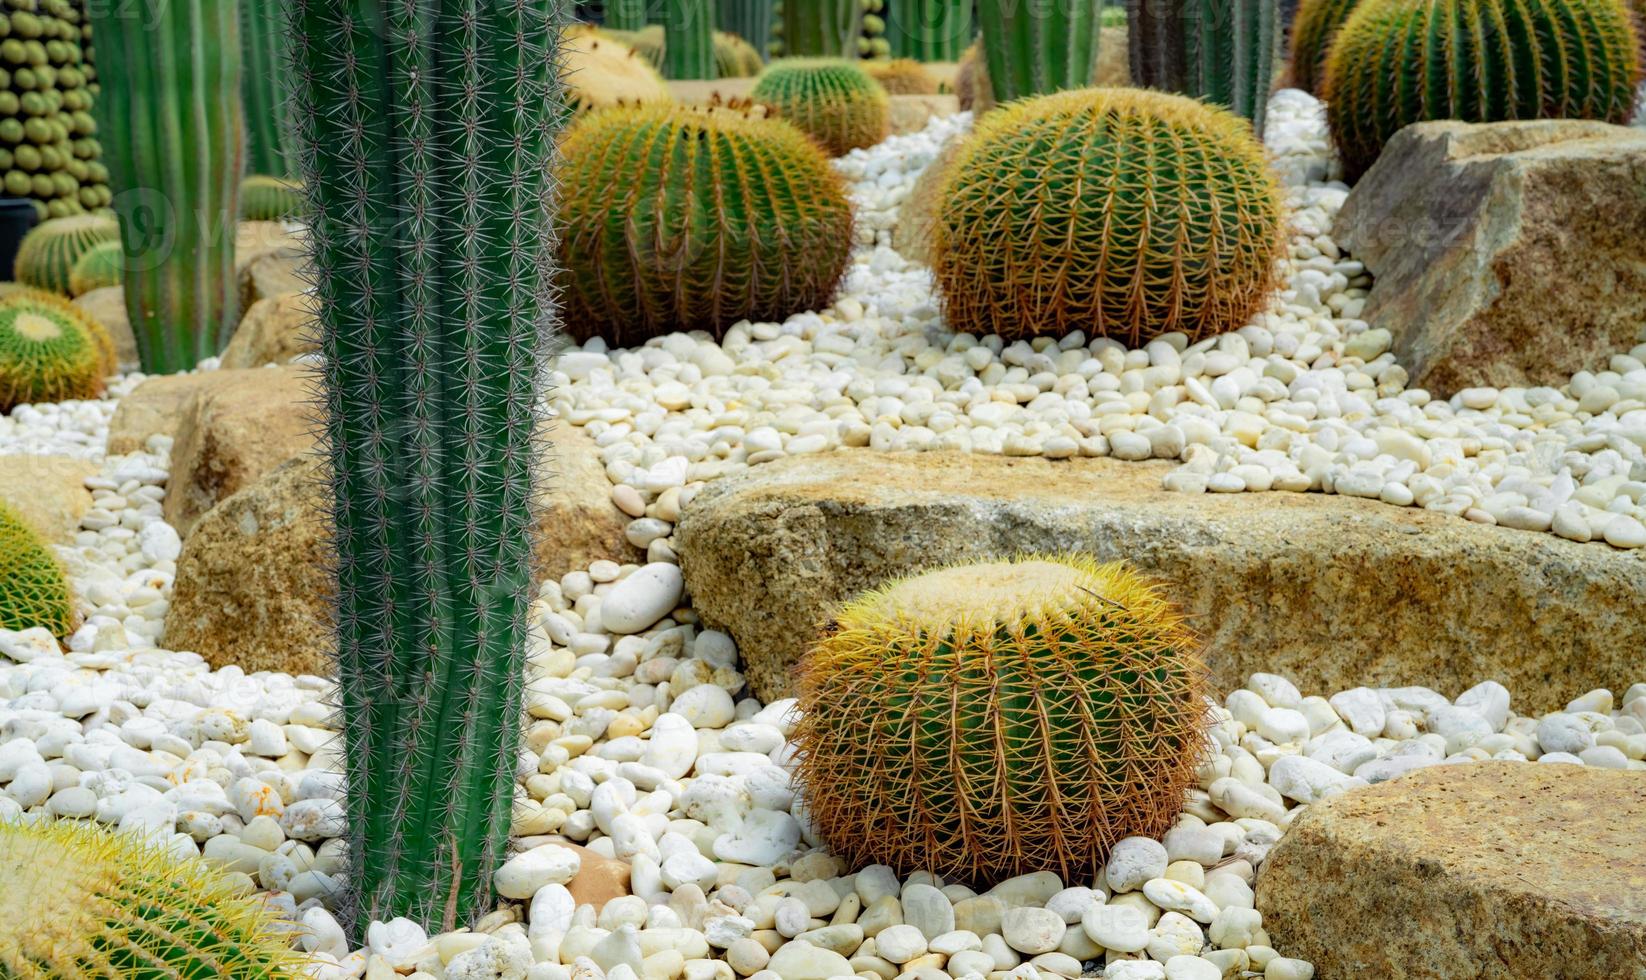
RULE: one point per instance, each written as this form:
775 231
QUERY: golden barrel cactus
33 589
835 102
993 719
50 350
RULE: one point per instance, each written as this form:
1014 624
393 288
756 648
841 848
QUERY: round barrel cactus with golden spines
50 350
674 218
267 198
998 718
1313 28
33 590
99 266
1120 212
835 102
598 70
46 256
1397 62
902 76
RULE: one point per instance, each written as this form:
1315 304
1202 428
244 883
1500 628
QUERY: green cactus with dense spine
97 267
175 171
833 101
625 15
34 591
1141 213
46 256
266 198
1032 50
78 901
929 30
822 28
1005 717
750 20
1396 62
50 350
427 131
266 88
1218 50
688 39
676 219
1316 24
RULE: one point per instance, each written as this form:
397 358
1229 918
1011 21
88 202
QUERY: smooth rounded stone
1624 531
1286 968
1003 955
1489 700
880 913
1176 896
522 875
1057 964
1134 970
1032 930
619 947
1196 844
792 918
958 941
842 939
819 897
900 944
1191 968
971 962
1305 780
875 882
1031 889
644 597
746 957
1134 860
705 706
1174 935
672 748
928 910
1235 928
1228 891
803 961
1118 927
981 914
1242 801
1361 709
1561 732
1071 903
1283 726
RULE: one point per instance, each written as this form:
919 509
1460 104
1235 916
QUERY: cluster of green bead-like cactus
822 28
872 43
46 256
993 719
48 136
1218 50
427 132
929 30
676 218
77 901
1141 213
1396 62
1316 24
101 265
833 101
176 170
265 198
266 89
50 350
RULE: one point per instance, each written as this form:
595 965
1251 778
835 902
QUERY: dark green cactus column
173 147
625 15
750 20
688 39
822 28
1035 48
929 30
1218 50
427 130
266 89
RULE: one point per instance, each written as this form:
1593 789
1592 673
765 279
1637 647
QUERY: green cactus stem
266 88
1033 50
822 28
929 30
750 20
427 132
688 39
1218 50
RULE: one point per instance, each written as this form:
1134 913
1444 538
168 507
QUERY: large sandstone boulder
1494 870
155 407
48 492
1333 592
273 331
108 307
232 430
275 272
1504 253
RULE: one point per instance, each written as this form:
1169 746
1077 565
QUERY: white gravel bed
72 428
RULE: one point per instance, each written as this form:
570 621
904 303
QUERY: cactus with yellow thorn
835 102
50 350
1313 29
33 592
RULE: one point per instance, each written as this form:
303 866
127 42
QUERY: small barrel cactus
902 76
48 252
266 198
835 102
50 350
735 57
1497 60
1120 212
33 592
77 901
993 719
97 267
599 70
675 218
1316 24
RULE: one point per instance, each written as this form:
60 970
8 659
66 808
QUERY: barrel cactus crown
674 218
1120 212
598 70
50 350
1527 59
77 901
266 198
998 718
46 257
1313 29
835 102
902 76
734 57
97 267
34 591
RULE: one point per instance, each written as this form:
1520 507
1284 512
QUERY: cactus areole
428 128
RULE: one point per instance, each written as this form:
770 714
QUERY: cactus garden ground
657 833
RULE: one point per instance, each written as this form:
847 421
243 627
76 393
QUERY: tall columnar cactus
750 20
77 901
175 170
929 30
688 39
626 15
988 720
1218 50
266 89
1033 48
1504 59
427 132
676 218
1119 212
1313 29
835 102
822 28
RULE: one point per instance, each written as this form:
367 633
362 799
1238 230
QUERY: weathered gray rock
1333 592
1496 870
1504 253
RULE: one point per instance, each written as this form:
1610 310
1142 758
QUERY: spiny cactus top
1396 62
50 350
1119 212
998 718
33 590
1313 30
835 102
47 254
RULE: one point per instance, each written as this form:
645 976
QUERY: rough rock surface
1504 253
231 431
911 113
108 307
1333 592
273 331
155 407
273 272
48 492
1492 870
251 586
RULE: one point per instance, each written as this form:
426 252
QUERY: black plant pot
17 216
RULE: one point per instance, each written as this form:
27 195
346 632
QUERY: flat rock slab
1491 870
1333 592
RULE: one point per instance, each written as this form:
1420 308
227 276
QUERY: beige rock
155 407
1503 253
273 331
1495 870
108 307
275 272
911 113
251 579
599 878
48 492
231 431
255 239
1330 591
